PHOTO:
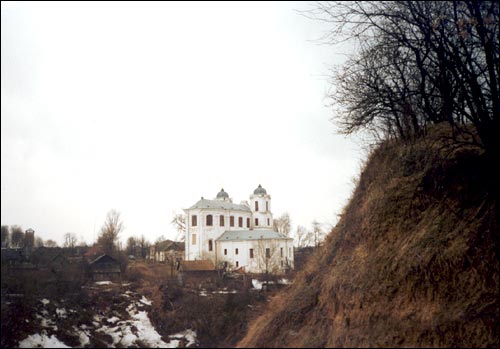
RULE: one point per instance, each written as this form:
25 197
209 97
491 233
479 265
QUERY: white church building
240 235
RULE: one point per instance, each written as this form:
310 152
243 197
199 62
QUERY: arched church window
209 220
221 220
240 222
194 220
248 222
256 206
231 221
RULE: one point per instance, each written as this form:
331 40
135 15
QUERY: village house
105 268
167 251
239 236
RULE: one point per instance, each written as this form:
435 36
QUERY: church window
248 222
256 206
221 220
268 221
194 220
236 251
240 222
225 252
281 252
210 219
268 253
256 222
267 206
210 245
193 239
251 253
237 264
282 264
231 221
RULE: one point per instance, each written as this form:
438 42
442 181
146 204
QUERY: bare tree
38 242
318 233
109 232
418 63
179 222
70 240
50 243
303 237
5 236
143 245
282 224
160 239
16 236
131 246
267 257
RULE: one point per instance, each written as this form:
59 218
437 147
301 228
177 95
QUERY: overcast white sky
146 107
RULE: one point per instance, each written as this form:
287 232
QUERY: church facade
240 235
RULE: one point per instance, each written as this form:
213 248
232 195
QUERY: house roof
200 265
169 245
104 259
163 245
257 234
219 204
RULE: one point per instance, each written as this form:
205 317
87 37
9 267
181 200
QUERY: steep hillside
413 261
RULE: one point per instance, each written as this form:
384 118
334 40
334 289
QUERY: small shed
197 272
105 268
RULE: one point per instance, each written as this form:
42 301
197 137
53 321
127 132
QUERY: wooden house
105 268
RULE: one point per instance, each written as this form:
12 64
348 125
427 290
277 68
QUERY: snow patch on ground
189 335
47 323
257 284
45 301
225 291
103 283
145 330
41 341
61 313
83 335
113 319
144 300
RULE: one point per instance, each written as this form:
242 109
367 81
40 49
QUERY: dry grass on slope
412 262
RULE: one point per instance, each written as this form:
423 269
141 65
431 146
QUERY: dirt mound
413 261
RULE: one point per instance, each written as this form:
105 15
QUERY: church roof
256 234
259 191
219 204
222 194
